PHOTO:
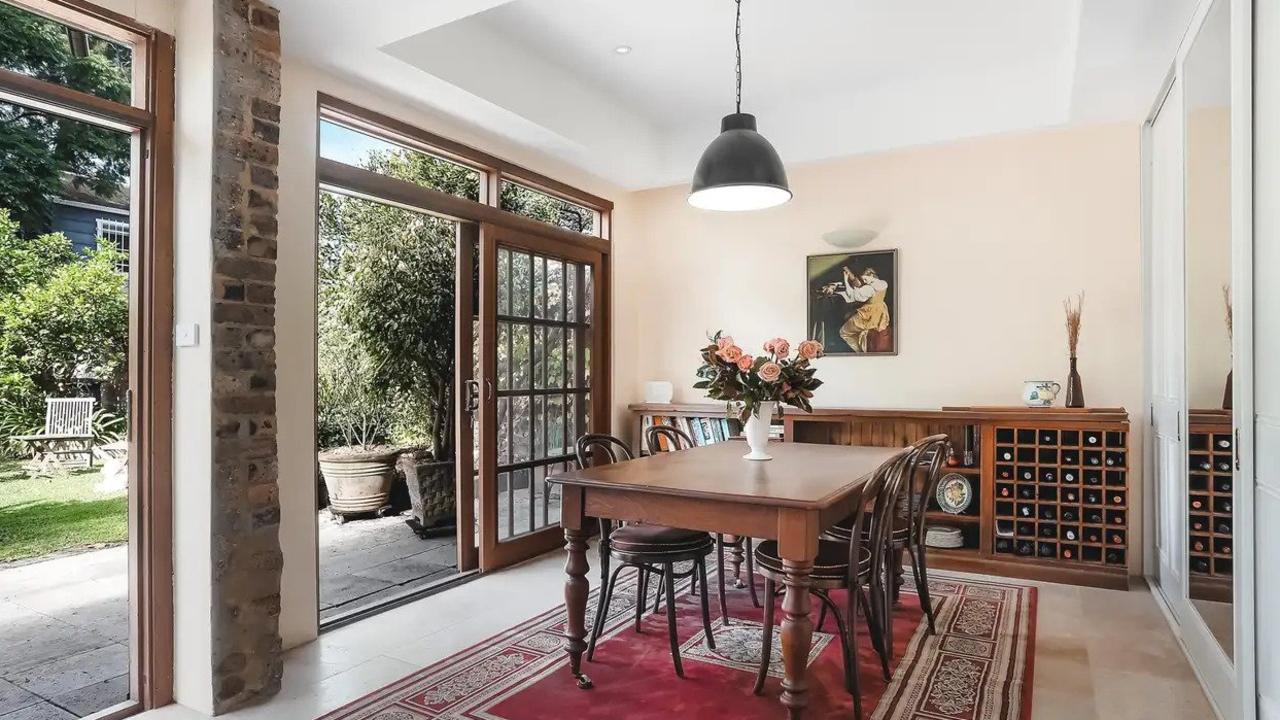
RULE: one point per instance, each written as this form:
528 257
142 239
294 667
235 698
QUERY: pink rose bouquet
732 375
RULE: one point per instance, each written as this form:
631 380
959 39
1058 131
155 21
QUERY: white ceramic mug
1040 393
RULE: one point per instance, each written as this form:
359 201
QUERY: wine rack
1062 495
1210 458
1067 522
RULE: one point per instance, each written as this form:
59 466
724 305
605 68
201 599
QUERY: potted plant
759 383
399 285
359 471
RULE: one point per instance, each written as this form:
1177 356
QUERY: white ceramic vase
757 431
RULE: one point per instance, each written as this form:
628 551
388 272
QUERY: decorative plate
954 493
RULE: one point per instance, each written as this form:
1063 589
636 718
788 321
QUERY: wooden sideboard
1053 493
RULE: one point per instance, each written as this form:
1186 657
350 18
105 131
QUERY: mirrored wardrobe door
1211 482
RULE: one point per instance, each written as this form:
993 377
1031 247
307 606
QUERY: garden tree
36 148
66 321
540 206
387 279
28 261
386 282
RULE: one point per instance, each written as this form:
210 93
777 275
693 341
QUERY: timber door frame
475 216
495 554
149 118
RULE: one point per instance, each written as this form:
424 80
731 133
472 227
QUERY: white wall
1266 359
192 366
992 235
295 304
159 14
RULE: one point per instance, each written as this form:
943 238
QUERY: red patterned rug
978 666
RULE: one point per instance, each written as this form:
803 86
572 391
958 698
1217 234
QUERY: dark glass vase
1075 387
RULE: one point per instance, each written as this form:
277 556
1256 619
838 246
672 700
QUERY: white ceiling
827 78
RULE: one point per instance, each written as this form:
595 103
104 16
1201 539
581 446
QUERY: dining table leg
797 635
576 590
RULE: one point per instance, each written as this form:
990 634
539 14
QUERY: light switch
186 335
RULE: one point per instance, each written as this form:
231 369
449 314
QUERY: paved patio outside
64 622
368 561
64 636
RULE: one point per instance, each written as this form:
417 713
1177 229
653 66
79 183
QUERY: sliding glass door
540 339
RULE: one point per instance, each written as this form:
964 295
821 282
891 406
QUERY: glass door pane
543 330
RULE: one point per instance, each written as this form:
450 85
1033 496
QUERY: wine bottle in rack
1200 565
1068 476
1224 549
1067 554
1197 503
1223 527
1070 534
1197 524
1113 557
1068 514
1117 499
1199 545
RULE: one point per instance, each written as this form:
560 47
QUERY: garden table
792 498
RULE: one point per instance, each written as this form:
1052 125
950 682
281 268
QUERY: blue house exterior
84 222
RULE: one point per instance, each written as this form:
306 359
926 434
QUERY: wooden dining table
792 498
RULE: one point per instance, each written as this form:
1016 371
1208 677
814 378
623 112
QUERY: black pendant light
739 170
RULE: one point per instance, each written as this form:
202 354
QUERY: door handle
471 401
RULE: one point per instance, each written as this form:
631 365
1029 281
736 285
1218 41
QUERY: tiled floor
1100 654
64 634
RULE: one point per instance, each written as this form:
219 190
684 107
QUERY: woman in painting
868 324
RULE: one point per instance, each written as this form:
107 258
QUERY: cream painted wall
992 235
159 14
295 304
193 366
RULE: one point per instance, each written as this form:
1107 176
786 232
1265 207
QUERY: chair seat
832 562
843 529
657 539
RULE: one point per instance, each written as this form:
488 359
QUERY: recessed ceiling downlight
622 49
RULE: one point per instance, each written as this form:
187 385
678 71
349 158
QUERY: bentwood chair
651 549
907 533
851 566
676 440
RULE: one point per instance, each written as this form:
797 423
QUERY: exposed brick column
247 560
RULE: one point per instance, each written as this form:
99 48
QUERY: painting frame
824 319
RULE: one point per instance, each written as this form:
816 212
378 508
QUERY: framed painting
853 302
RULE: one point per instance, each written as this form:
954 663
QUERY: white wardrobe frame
1231 684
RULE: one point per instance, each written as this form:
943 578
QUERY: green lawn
47 514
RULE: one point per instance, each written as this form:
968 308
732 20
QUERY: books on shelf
703 430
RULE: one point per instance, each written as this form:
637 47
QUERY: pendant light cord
737 42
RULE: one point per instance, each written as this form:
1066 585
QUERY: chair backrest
593 446
882 492
927 470
676 438
68 416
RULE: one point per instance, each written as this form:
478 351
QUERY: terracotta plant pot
431 492
358 481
